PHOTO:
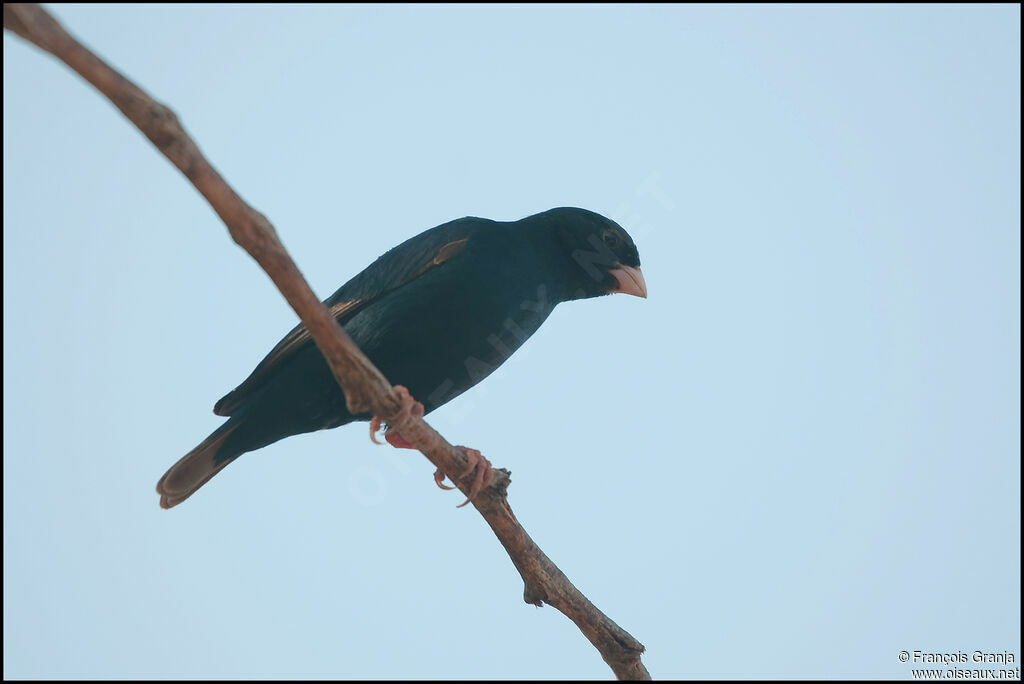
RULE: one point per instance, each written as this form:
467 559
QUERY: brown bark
366 389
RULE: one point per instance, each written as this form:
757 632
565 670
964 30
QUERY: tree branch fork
366 389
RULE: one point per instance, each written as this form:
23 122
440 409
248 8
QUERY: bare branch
366 389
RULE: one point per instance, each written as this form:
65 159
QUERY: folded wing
395 269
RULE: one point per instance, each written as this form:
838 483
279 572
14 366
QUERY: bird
437 314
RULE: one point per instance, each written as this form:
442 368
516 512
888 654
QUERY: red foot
477 462
410 407
396 440
483 469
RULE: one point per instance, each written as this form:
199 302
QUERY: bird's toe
483 469
439 479
410 408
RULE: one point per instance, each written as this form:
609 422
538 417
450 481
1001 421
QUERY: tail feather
196 467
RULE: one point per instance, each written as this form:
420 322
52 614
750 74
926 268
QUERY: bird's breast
452 330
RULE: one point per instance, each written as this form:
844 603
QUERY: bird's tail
196 467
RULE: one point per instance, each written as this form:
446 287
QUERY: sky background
798 457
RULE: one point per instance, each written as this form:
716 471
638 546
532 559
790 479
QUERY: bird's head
597 255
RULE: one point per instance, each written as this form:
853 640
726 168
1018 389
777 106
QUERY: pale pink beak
630 281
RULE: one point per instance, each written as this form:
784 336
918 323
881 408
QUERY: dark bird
436 314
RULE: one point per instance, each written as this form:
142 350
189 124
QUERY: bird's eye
611 239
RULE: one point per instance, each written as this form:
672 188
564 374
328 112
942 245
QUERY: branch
366 389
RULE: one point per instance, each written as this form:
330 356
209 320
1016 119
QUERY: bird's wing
396 268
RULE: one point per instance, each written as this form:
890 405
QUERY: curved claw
410 407
483 468
439 479
374 427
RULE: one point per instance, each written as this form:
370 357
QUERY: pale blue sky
798 457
